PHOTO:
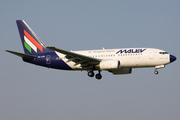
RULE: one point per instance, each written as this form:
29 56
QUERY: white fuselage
128 57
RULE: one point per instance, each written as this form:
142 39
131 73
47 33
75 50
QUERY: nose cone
172 58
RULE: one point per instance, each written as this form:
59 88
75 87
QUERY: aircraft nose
172 58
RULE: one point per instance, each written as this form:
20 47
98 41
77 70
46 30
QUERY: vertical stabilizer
30 41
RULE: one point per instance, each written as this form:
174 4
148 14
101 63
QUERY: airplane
116 61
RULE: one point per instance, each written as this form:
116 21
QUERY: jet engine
109 65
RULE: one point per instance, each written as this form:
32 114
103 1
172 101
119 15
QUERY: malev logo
131 51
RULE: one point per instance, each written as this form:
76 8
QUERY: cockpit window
163 53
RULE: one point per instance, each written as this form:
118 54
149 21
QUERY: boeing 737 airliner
116 61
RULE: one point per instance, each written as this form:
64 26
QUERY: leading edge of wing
83 57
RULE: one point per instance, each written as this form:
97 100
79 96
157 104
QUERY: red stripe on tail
33 41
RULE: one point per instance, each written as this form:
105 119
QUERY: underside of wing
85 61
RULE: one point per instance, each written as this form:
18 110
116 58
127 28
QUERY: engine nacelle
109 65
122 71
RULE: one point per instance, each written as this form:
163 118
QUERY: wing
85 61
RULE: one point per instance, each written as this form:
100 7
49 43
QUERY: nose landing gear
158 67
156 72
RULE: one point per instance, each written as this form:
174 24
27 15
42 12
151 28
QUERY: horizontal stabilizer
21 54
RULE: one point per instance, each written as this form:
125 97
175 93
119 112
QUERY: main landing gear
91 74
98 76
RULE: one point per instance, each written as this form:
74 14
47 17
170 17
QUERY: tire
98 76
91 74
156 72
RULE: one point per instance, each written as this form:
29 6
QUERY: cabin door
151 55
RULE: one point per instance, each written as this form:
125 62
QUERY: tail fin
31 43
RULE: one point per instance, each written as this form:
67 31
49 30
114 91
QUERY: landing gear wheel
156 72
98 76
91 74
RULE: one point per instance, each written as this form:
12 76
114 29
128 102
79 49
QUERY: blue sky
31 92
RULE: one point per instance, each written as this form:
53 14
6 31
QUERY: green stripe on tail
27 47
